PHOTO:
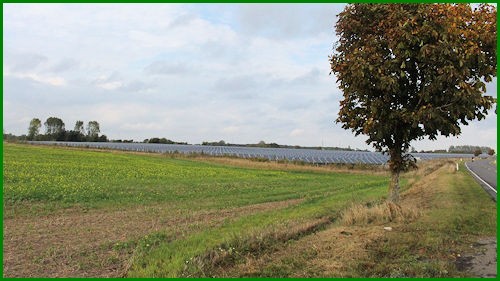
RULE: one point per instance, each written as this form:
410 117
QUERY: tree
102 138
34 128
73 136
491 152
54 128
93 131
410 71
154 140
79 127
477 152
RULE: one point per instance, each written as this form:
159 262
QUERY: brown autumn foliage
411 71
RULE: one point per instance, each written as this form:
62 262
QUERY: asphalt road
487 172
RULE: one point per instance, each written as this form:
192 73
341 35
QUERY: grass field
85 213
182 207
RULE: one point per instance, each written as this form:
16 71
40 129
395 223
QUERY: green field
71 212
195 206
106 179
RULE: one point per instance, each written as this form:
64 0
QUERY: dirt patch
482 260
79 244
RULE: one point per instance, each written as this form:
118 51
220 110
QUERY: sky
241 73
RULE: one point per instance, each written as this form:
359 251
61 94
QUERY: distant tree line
431 151
162 140
55 131
275 145
470 149
460 149
489 151
122 141
13 138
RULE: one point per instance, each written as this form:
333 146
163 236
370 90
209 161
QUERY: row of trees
275 145
55 131
478 151
470 149
162 140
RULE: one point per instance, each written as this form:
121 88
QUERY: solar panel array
315 156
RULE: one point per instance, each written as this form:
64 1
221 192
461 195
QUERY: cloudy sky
187 72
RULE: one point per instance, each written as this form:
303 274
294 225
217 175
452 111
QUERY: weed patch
379 213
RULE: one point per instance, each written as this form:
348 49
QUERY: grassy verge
458 214
441 215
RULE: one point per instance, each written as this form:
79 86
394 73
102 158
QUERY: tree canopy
34 128
410 71
55 131
54 126
79 127
93 130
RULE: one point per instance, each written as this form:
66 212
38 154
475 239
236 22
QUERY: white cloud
63 65
297 132
231 129
110 85
188 72
149 126
49 80
166 68
111 81
116 113
284 21
21 62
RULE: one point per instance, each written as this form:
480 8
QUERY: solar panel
273 154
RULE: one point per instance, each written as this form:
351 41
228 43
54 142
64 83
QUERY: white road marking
480 178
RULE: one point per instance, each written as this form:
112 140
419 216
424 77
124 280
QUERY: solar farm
312 156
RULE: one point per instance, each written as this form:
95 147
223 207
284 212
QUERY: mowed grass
43 183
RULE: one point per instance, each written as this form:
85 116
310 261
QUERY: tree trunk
395 166
394 187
